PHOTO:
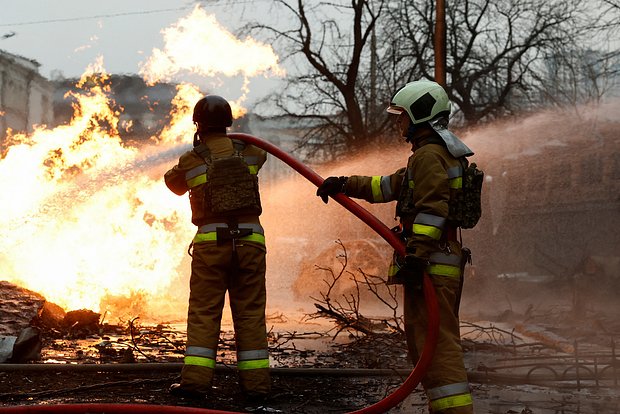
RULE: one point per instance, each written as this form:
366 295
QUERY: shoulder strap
239 146
464 162
203 151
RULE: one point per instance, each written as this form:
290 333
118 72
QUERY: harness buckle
225 234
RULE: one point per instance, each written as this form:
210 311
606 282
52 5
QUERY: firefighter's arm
175 180
375 189
255 157
431 198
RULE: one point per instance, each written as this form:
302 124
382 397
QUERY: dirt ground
291 394
306 393
518 332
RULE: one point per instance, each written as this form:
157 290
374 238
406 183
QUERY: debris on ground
518 362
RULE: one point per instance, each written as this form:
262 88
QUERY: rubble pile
19 308
27 320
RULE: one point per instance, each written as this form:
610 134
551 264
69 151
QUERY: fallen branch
343 321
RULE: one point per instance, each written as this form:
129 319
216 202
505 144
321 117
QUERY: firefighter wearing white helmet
425 191
422 100
228 253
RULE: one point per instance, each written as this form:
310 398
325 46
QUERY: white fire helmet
423 100
427 101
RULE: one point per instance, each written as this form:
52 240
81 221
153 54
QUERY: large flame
86 217
198 44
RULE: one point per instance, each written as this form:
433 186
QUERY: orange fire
86 217
198 44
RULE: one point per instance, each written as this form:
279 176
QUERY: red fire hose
380 407
104 408
429 291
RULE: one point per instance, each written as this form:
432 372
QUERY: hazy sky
68 35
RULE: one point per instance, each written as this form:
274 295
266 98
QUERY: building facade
25 95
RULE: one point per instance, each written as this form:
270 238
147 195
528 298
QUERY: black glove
410 269
331 186
415 265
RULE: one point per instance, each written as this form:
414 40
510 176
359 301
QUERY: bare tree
335 90
612 7
585 70
503 57
498 50
569 79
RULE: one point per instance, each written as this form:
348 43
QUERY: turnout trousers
217 269
445 383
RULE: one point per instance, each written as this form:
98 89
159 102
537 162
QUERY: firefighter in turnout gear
228 252
426 192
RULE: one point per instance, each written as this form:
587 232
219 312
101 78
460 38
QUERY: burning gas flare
86 217
198 44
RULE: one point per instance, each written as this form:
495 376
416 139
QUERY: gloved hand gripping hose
429 291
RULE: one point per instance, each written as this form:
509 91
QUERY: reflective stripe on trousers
199 356
449 396
444 265
254 359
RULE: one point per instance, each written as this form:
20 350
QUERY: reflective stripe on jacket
424 191
375 189
198 175
190 174
436 177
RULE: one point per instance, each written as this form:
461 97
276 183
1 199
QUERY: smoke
301 231
530 135
88 222
550 201
530 244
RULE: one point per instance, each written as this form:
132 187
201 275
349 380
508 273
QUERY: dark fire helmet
213 111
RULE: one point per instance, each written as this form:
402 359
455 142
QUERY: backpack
467 208
231 189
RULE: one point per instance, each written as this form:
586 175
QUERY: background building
25 95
